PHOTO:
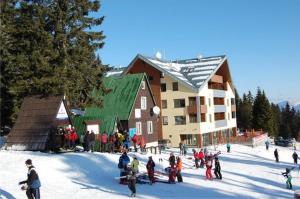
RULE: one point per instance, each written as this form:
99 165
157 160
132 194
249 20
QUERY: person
123 166
134 141
172 174
126 140
33 183
92 141
196 157
178 169
87 141
112 140
228 147
287 174
150 169
172 159
131 178
181 148
267 143
184 146
142 144
201 158
208 163
294 143
276 155
67 138
135 165
73 138
217 169
295 157
103 142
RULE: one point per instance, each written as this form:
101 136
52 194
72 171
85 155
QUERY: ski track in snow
247 173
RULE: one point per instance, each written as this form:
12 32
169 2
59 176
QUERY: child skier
201 158
131 177
196 154
218 169
208 163
295 157
179 167
287 174
276 155
150 169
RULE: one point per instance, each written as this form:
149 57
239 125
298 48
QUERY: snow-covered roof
115 72
192 72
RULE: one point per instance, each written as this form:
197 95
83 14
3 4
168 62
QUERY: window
209 102
164 103
179 103
233 114
203 117
220 116
210 119
202 101
175 86
232 101
138 126
143 85
192 101
149 127
180 120
143 103
218 101
193 118
165 120
150 78
163 87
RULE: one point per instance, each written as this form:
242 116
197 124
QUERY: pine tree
238 103
52 51
275 121
285 129
246 112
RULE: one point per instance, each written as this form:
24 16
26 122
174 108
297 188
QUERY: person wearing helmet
217 169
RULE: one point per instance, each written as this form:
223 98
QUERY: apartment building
196 97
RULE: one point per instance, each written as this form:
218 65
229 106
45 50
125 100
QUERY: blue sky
261 38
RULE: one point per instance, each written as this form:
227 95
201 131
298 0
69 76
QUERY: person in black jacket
172 160
295 157
218 169
150 169
33 183
276 155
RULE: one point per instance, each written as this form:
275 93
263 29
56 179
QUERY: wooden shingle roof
36 119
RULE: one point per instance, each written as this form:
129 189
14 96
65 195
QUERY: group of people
69 138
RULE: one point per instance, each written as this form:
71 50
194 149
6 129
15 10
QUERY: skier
172 159
295 157
287 174
172 174
218 169
196 154
87 141
123 166
267 143
181 148
135 165
276 155
201 157
208 163
184 146
228 147
33 183
131 178
179 167
150 169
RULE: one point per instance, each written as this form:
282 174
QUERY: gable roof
118 103
36 118
192 72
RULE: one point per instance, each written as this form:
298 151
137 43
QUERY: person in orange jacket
179 168
73 138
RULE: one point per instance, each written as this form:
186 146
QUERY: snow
247 173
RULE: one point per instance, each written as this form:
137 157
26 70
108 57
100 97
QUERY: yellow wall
171 128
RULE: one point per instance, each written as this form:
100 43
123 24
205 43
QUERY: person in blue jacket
124 160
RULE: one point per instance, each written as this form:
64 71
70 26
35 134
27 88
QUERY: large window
143 103
202 100
165 120
233 114
164 103
220 116
232 101
163 87
179 103
149 127
175 86
218 101
138 126
205 139
193 118
203 117
192 101
180 120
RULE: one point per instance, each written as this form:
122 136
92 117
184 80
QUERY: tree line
258 113
48 48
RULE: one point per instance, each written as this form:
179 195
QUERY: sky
261 39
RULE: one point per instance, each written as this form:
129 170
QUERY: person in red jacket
196 157
73 138
112 140
201 158
103 141
134 140
208 163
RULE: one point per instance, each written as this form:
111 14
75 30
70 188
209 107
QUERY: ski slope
247 173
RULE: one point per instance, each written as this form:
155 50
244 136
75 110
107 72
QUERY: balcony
220 123
203 109
220 108
219 93
192 109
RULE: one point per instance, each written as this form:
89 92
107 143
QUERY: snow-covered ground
247 173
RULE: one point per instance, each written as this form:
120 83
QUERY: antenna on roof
200 56
158 55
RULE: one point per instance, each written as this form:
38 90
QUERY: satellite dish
158 55
156 110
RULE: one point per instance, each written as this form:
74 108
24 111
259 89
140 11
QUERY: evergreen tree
238 103
261 112
275 121
285 129
52 51
246 112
